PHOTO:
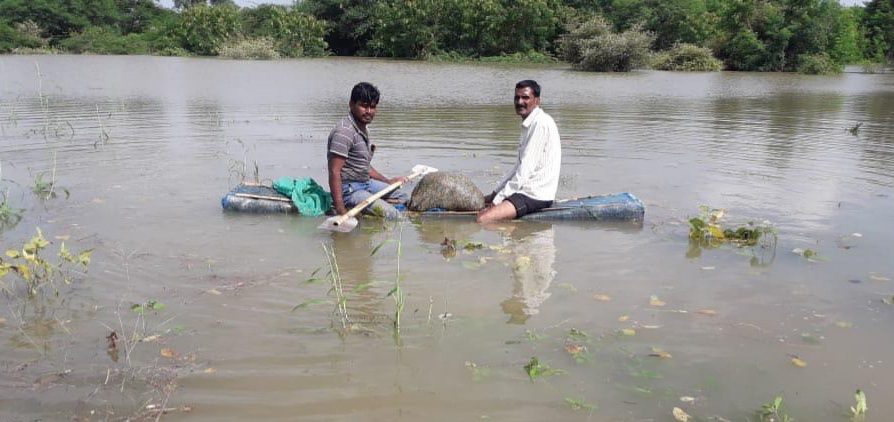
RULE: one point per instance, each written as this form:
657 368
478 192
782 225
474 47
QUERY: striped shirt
536 172
348 141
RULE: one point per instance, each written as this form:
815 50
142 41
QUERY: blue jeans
353 193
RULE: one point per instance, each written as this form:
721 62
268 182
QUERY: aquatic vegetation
772 412
333 277
707 231
239 168
478 372
535 369
47 189
103 134
858 411
579 404
9 216
150 305
706 228
808 254
396 292
35 271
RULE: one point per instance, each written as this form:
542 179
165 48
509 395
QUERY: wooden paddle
347 222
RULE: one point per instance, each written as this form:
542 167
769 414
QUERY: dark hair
528 83
365 92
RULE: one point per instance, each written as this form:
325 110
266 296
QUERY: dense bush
688 58
818 64
53 16
262 48
592 45
293 33
99 40
472 28
21 35
750 35
203 29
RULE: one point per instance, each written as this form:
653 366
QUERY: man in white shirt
532 184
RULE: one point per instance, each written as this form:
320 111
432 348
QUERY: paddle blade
422 170
336 224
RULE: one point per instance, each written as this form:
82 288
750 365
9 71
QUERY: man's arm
336 162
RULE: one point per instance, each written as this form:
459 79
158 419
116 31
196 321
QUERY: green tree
11 38
878 24
404 29
772 35
679 21
52 16
349 23
847 42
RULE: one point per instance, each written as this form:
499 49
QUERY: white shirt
536 172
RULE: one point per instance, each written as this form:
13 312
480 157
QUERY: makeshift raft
613 207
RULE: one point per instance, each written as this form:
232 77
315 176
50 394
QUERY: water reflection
533 252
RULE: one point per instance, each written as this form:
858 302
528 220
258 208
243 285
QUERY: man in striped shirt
532 184
352 178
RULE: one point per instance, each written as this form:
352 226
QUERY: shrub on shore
818 64
262 48
100 40
592 45
687 58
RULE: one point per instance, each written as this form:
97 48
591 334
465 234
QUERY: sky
252 3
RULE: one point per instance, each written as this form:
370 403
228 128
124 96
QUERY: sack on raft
447 191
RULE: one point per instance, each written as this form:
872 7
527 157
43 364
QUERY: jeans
353 193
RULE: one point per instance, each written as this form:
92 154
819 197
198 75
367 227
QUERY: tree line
606 35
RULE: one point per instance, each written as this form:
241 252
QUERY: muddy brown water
145 148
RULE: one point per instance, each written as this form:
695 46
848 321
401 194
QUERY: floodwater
143 148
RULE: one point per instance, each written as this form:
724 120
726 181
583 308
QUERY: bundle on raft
612 207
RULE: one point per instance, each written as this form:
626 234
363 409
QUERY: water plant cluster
605 35
708 230
34 270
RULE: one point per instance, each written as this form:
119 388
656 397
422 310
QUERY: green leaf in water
579 404
644 373
471 246
810 338
379 246
308 303
535 369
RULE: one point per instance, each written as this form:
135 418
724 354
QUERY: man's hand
402 179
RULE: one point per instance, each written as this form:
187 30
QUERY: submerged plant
239 168
9 216
772 412
579 404
535 369
707 231
858 411
34 270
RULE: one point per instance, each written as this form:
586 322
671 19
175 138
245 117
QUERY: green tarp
310 198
